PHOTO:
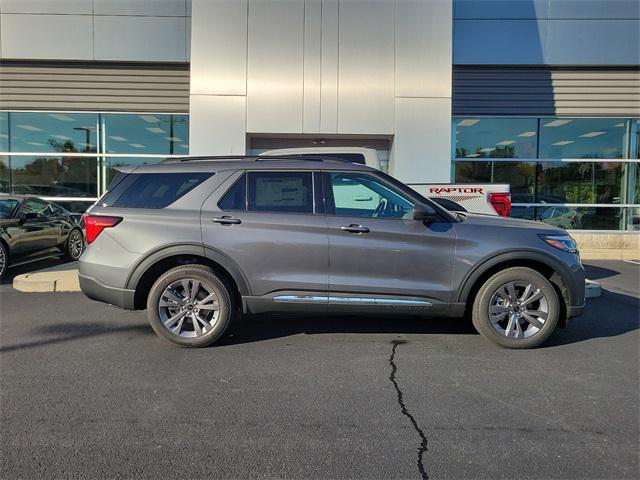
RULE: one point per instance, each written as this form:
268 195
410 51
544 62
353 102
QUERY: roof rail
268 158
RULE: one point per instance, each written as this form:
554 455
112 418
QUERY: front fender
572 274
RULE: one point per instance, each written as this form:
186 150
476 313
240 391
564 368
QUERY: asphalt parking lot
89 391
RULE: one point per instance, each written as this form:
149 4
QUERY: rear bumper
95 290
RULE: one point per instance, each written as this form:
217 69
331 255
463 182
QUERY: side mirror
424 213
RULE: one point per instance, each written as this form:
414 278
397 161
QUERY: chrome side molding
349 300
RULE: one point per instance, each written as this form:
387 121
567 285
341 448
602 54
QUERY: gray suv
199 241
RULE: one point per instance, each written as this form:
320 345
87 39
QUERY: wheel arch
543 264
151 267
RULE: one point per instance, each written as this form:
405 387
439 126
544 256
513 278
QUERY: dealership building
541 94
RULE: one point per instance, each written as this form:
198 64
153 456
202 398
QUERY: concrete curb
592 289
56 281
609 254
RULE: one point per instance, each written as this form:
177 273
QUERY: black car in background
31 228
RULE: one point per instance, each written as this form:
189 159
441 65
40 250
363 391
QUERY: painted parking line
636 262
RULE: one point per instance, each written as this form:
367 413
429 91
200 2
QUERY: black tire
489 290
4 260
207 277
74 246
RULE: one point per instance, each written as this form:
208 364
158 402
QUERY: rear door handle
226 220
353 228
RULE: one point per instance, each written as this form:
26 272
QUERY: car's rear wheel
75 245
516 308
190 306
4 260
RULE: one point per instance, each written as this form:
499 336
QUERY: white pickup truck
489 198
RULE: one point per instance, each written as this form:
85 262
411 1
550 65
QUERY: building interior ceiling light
468 122
506 142
621 124
489 149
36 144
62 117
472 155
527 134
563 142
150 118
61 137
184 146
557 123
118 138
592 134
137 145
31 128
155 130
173 139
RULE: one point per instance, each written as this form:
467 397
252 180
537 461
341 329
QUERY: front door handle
226 220
353 228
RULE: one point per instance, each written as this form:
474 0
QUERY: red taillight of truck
501 203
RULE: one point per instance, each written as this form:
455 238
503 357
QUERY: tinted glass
584 138
5 174
286 192
53 132
7 207
54 176
36 206
112 162
4 132
519 175
148 134
236 196
582 218
153 190
581 182
496 137
358 195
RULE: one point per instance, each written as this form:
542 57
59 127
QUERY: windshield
7 207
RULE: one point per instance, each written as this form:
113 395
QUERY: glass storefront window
582 218
4 132
5 174
54 176
112 162
581 182
520 175
53 132
584 138
496 137
147 134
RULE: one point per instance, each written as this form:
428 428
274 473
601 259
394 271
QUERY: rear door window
152 190
236 196
283 192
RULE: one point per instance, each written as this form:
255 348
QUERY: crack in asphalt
403 408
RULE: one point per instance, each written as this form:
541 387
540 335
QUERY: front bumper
95 290
575 310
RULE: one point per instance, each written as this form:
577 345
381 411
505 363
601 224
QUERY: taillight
94 224
501 203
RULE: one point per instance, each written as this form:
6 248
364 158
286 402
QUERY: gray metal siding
546 91
128 88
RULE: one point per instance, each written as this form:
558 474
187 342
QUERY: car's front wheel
190 306
516 308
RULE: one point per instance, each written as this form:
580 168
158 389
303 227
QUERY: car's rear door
270 225
380 256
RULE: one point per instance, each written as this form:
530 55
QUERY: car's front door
379 255
36 230
268 223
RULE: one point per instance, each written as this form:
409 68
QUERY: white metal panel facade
275 66
348 68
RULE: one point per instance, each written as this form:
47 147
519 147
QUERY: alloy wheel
75 244
3 261
189 308
518 310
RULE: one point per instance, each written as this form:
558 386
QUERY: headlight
563 242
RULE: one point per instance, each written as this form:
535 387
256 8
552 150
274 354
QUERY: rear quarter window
152 190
